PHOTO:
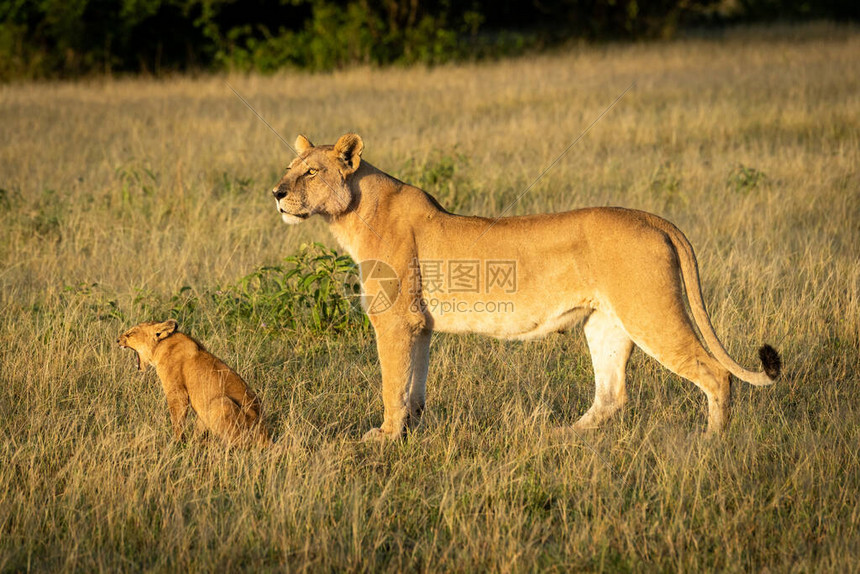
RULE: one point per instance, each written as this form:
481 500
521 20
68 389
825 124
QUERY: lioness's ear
165 329
348 149
303 144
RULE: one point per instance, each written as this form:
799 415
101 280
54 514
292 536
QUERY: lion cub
191 375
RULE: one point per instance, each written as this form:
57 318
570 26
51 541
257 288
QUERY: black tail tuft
770 361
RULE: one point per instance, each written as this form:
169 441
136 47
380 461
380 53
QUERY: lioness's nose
279 193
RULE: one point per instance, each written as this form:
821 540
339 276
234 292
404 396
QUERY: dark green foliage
315 289
769 10
73 37
67 38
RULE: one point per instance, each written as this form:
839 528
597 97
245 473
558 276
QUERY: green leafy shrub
444 176
316 287
315 290
744 179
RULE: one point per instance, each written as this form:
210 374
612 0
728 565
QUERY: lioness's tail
770 360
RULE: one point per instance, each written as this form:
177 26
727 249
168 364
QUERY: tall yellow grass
116 194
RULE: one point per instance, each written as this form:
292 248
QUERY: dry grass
116 195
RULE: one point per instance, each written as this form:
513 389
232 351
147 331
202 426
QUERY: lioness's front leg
403 348
418 386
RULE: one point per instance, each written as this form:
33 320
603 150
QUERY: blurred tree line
68 38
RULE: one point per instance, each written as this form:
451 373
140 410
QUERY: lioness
623 272
191 375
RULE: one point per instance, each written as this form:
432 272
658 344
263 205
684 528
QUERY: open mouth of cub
136 356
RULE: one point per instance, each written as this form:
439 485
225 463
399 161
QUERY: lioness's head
143 338
316 181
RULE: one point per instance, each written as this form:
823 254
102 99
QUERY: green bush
62 38
316 288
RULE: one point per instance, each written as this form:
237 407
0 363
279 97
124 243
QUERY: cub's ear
165 329
348 149
303 144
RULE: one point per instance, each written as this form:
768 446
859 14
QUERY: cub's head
143 338
317 180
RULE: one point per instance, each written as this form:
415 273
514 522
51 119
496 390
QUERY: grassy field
131 200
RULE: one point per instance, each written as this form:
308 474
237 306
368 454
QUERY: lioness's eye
312 172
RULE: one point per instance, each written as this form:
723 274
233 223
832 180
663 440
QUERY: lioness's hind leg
610 348
672 341
712 378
